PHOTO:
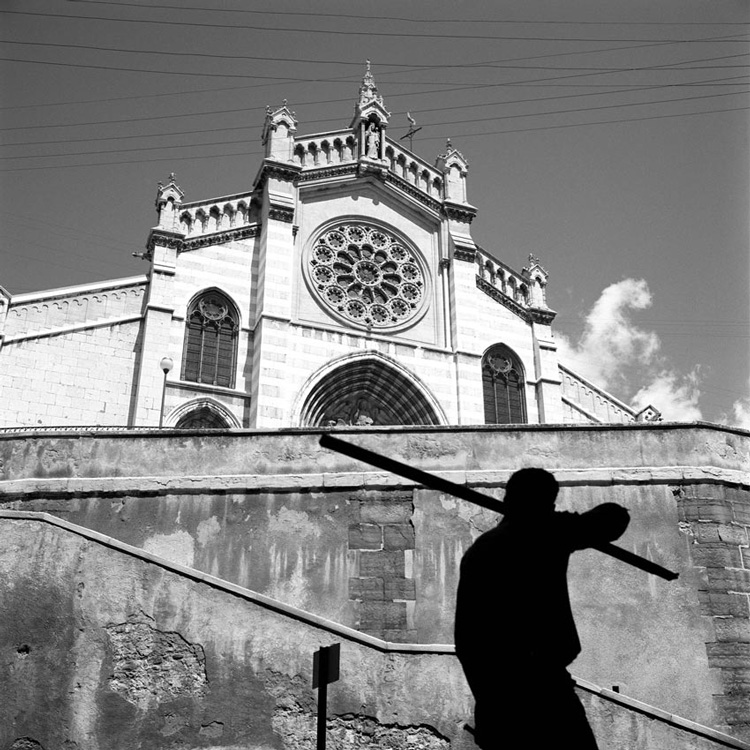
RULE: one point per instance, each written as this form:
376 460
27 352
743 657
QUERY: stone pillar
157 341
276 270
4 305
548 382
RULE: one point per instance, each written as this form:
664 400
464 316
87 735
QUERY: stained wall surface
103 648
275 513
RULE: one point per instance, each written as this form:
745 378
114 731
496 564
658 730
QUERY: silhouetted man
515 633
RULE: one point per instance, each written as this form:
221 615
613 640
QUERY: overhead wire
428 138
413 69
671 66
349 32
414 20
444 123
498 64
347 99
590 71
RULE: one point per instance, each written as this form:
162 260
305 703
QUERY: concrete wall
106 647
275 513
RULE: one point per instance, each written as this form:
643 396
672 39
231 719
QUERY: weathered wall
104 647
277 514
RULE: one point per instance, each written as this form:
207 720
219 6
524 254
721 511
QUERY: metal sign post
325 670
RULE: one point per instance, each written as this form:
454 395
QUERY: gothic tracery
367 275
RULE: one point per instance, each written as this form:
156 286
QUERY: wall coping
350 633
32 487
69 291
126 431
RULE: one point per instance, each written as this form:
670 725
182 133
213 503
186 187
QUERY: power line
670 66
420 20
164 72
414 69
534 100
429 138
28 222
368 33
499 64
454 122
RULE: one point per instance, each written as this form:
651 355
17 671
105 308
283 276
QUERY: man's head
530 492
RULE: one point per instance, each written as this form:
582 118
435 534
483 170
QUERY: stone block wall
84 377
382 542
481 322
716 520
41 312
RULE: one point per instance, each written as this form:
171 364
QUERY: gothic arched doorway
202 414
201 418
367 391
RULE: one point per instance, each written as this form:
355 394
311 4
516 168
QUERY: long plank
466 493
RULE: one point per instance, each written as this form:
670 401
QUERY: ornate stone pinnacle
368 91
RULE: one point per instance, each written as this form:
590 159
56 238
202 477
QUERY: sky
608 138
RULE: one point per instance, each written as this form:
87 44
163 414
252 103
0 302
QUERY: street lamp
166 365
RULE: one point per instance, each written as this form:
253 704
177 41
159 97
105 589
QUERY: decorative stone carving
373 142
284 214
361 412
370 101
465 253
464 214
168 200
367 276
179 243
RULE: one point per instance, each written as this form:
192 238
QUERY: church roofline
248 194
67 291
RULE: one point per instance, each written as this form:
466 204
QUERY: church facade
169 587
344 288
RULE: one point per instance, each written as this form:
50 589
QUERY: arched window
503 387
210 354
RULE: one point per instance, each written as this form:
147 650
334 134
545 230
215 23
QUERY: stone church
176 545
344 288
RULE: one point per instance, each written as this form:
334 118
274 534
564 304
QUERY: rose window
367 275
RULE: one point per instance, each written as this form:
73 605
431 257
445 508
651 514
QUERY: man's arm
604 523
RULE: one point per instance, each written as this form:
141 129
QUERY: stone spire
370 104
454 166
279 128
168 200
368 91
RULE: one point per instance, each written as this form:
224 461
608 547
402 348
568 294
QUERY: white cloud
740 412
674 396
611 342
615 354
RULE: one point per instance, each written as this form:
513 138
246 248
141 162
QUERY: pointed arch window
503 387
210 354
